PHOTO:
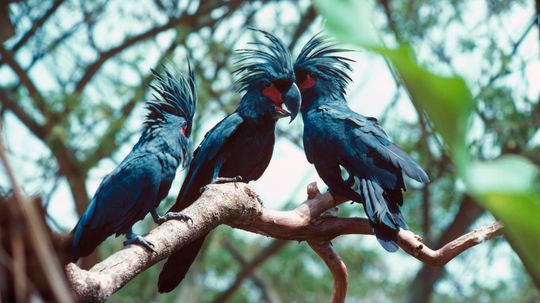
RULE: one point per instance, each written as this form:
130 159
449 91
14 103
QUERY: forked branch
237 205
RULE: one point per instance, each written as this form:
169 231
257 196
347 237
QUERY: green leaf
510 174
506 188
344 17
447 100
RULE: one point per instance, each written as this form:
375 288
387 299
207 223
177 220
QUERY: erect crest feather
172 96
319 56
270 62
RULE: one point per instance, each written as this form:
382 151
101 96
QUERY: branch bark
338 268
238 206
216 205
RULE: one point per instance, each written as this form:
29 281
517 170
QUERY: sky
289 173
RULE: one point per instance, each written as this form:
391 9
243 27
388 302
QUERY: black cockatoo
337 138
241 144
144 177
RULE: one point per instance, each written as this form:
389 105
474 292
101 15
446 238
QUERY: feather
257 67
175 96
318 56
382 211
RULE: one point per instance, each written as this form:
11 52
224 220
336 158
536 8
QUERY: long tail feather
383 212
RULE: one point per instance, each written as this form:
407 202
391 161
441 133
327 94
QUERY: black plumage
144 177
336 139
241 144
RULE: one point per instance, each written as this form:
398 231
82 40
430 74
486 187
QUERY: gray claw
202 189
329 213
221 180
138 240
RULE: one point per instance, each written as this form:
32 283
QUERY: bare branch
25 80
237 205
422 284
413 245
218 204
194 22
338 268
37 129
506 63
19 261
103 148
36 25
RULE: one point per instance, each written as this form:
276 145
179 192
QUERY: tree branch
37 129
39 100
68 163
194 22
218 204
237 205
36 25
338 268
422 284
305 21
107 142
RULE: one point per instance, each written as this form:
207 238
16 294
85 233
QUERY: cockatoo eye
301 75
304 80
283 84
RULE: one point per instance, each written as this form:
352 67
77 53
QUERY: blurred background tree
74 76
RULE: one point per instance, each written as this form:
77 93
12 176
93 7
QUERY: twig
7 262
506 63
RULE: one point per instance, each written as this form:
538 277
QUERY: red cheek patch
307 83
273 94
183 130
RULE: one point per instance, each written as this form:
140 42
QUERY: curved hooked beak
292 99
